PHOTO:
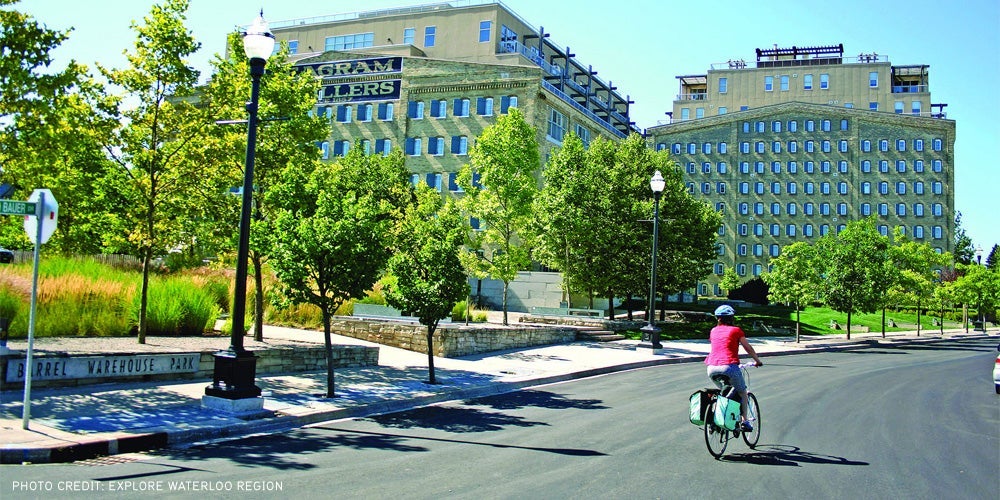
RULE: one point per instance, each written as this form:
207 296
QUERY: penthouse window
430 34
485 27
557 126
348 42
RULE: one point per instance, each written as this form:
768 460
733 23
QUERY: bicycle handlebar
751 364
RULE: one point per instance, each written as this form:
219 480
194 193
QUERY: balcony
910 89
699 96
590 114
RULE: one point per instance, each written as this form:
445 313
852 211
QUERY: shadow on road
577 452
787 455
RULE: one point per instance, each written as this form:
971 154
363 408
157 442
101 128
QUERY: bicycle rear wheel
716 438
753 416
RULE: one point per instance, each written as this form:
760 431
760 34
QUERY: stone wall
452 340
269 361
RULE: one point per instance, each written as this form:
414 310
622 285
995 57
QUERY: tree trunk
327 316
942 318
848 325
918 317
883 321
611 305
258 302
965 316
147 256
505 284
798 324
430 354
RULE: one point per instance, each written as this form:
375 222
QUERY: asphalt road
915 422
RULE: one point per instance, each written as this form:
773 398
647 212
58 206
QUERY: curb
93 448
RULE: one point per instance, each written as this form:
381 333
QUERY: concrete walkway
69 424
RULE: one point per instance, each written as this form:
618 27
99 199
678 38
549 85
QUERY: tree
333 231
155 126
915 265
857 269
49 135
286 143
426 275
795 278
964 251
688 233
978 285
730 280
992 261
504 160
559 211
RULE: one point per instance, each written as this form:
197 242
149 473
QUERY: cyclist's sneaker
746 427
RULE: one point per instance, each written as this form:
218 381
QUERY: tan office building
428 79
801 141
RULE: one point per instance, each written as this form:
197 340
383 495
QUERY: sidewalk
69 424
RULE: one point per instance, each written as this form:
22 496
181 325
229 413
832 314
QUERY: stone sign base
247 408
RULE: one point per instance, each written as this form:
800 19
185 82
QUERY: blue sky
641 45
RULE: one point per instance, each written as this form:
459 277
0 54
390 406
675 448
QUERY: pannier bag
698 405
727 412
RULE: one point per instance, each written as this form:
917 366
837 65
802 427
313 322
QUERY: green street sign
14 207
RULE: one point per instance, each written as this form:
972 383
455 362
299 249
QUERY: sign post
40 216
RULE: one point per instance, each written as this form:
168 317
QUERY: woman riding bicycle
724 358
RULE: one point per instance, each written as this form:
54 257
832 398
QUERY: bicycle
717 437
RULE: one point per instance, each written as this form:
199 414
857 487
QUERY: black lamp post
982 316
236 368
650 332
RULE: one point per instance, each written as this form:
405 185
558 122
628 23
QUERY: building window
883 209
699 113
485 27
723 148
741 269
916 107
324 148
918 209
768 83
706 148
826 125
793 146
760 127
348 42
824 81
583 133
365 112
723 85
918 187
900 145
918 144
484 106
810 126
408 35
557 125
936 165
439 108
793 126
452 184
866 166
413 146
937 209
900 187
784 83
723 110
843 146
873 79
759 167
807 82
721 167
434 181
435 146
745 147
873 106
461 107
507 102
293 46
841 187
430 33
842 209
792 188
344 113
340 148
901 166
918 232
459 145
685 114
936 145
809 208
791 208
383 146
866 188
385 111
898 107
415 110
866 146
866 209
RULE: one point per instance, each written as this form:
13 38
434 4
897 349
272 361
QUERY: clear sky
642 45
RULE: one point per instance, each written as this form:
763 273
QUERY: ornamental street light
650 333
235 368
982 315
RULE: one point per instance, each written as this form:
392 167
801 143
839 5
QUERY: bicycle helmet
725 310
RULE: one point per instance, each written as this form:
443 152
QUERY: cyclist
724 358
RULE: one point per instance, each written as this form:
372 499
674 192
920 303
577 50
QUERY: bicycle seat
720 379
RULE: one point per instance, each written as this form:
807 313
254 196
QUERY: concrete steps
597 335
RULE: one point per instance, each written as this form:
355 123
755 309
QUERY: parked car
996 372
6 256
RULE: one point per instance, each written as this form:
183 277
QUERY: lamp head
657 183
258 42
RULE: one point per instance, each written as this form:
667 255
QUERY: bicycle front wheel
753 416
716 437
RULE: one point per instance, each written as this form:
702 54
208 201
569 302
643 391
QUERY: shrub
177 306
458 314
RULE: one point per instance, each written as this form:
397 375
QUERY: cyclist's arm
749 349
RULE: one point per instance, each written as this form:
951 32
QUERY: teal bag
698 404
727 412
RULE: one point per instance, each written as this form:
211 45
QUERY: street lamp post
650 332
982 316
235 369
